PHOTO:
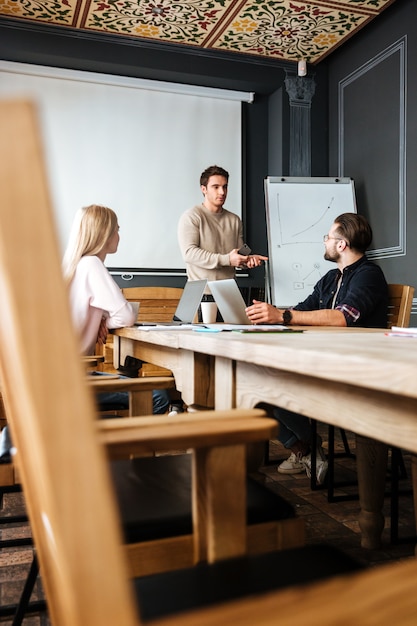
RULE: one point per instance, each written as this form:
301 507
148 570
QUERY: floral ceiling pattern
276 29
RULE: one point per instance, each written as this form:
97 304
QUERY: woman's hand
102 332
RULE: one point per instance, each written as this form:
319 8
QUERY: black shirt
362 295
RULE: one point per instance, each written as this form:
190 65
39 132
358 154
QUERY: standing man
353 294
210 236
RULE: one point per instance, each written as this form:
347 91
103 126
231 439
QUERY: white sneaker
292 465
175 409
321 465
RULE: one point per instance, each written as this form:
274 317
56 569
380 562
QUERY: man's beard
332 257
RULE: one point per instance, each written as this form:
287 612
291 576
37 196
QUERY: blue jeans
119 400
293 427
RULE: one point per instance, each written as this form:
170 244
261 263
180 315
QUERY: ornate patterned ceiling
276 29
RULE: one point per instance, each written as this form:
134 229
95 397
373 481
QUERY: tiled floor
334 523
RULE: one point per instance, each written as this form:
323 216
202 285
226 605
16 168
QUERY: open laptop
187 306
229 300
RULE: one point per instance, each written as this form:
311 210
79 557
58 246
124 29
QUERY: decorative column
301 91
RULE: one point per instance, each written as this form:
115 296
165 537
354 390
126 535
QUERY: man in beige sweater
210 236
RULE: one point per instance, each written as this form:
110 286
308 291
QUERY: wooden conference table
360 380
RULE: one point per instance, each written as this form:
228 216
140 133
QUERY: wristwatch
287 317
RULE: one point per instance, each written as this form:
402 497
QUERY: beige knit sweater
206 239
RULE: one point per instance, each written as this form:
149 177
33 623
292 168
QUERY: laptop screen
190 301
229 300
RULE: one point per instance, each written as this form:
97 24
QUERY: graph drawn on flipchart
299 212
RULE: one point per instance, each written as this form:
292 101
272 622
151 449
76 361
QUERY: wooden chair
157 304
54 442
160 303
399 313
157 496
75 522
399 305
168 543
140 403
139 390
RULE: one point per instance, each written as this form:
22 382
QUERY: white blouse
93 295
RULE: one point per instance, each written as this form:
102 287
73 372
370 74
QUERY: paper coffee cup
135 306
209 312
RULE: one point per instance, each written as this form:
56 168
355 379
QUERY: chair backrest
53 406
157 304
400 300
60 444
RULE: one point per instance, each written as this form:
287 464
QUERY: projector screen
137 146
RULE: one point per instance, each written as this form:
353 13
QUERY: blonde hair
92 227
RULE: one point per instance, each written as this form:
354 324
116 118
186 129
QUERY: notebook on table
187 306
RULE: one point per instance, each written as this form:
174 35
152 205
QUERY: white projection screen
137 146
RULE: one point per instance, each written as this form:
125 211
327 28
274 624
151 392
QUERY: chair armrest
94 360
138 435
92 357
102 384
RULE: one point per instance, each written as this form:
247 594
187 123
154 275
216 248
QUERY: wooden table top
366 358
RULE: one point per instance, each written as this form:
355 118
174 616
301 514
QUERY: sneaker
292 465
175 409
321 465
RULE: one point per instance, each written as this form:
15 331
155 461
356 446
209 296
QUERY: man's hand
255 260
237 260
249 261
263 313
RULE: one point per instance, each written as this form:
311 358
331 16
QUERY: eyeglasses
327 237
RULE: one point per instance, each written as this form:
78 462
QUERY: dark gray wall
372 133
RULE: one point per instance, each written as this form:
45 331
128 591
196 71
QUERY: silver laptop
187 306
229 300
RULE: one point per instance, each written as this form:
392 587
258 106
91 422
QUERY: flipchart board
299 211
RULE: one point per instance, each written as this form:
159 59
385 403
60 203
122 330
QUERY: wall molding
400 46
